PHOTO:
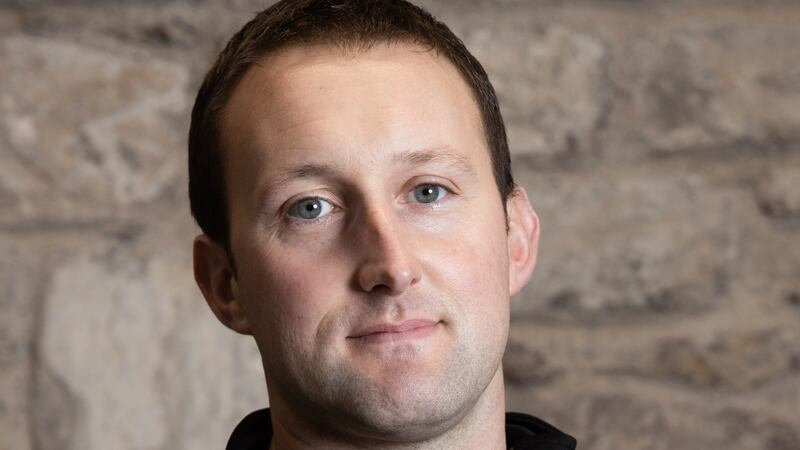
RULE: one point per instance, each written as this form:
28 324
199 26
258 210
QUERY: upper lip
387 327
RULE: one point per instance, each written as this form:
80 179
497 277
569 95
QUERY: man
350 173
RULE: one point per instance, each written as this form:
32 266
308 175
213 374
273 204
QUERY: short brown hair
346 23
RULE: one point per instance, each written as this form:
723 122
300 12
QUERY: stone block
731 360
625 415
132 358
617 245
624 422
551 84
714 87
85 133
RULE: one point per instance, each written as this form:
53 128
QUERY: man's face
368 234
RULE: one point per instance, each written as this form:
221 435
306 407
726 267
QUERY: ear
523 239
217 280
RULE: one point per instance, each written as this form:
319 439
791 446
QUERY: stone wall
659 141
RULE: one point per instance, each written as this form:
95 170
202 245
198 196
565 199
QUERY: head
350 172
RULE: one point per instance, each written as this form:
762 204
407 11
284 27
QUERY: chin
409 421
410 407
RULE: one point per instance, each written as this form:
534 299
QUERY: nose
388 263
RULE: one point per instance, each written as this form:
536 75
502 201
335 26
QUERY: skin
366 132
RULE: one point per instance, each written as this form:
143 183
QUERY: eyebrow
308 171
442 155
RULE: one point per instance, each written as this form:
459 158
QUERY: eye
310 208
428 193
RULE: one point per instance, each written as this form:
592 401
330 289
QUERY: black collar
523 432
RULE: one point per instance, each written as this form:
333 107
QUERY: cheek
475 277
473 265
289 296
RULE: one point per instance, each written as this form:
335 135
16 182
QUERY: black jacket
523 432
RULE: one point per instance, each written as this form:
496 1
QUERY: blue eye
310 208
428 193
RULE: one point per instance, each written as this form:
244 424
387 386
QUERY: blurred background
659 142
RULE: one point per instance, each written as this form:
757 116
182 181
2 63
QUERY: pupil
426 194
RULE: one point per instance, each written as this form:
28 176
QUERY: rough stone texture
659 142
736 361
778 194
127 346
22 283
551 81
86 132
647 423
659 229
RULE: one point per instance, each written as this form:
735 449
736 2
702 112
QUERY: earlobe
523 239
217 281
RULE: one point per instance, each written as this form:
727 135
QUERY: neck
483 426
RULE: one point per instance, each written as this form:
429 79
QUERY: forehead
310 102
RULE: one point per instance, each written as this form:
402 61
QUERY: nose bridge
381 233
387 258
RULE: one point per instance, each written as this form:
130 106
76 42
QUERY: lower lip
400 336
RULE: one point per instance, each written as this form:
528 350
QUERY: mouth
388 332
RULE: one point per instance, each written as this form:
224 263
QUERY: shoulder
253 432
526 432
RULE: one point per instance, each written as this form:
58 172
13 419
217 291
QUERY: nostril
396 278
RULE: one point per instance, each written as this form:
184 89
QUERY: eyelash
305 222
